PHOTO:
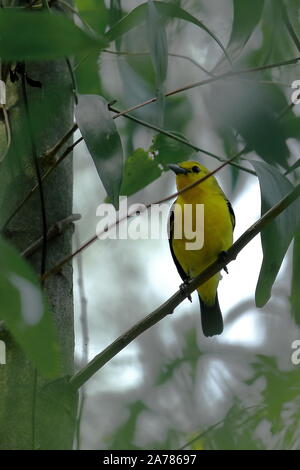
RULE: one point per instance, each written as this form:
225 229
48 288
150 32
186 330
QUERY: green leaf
87 73
272 27
251 110
158 43
103 142
246 16
25 312
277 236
139 14
42 36
169 150
140 170
94 12
57 406
159 53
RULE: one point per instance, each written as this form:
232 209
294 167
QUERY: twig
55 230
229 74
73 79
179 139
85 337
171 54
53 151
168 307
289 26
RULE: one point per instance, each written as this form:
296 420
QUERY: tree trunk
32 413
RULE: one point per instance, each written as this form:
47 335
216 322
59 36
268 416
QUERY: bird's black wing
180 270
231 212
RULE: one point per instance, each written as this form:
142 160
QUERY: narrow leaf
139 14
57 406
25 312
103 142
158 52
277 236
251 110
158 43
246 16
42 36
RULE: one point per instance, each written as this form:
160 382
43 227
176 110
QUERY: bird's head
190 171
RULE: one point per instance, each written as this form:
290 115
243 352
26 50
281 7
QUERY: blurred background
172 387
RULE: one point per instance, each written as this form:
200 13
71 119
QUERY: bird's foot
221 258
183 289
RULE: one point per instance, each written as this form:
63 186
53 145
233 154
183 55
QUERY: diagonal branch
168 307
54 231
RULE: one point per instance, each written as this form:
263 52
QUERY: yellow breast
216 227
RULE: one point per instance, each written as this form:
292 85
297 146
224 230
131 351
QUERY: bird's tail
211 318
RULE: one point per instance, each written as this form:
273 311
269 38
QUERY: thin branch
229 74
73 80
289 26
53 151
85 338
55 230
180 139
169 306
171 54
68 258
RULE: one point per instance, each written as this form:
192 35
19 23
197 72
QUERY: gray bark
51 109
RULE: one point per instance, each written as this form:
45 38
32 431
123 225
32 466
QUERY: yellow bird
219 223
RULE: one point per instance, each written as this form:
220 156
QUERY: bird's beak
177 169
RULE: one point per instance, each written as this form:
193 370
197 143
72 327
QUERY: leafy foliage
44 36
277 236
136 16
26 313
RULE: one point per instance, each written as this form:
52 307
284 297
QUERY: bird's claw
183 289
221 258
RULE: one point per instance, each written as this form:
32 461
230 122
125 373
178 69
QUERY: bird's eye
196 169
